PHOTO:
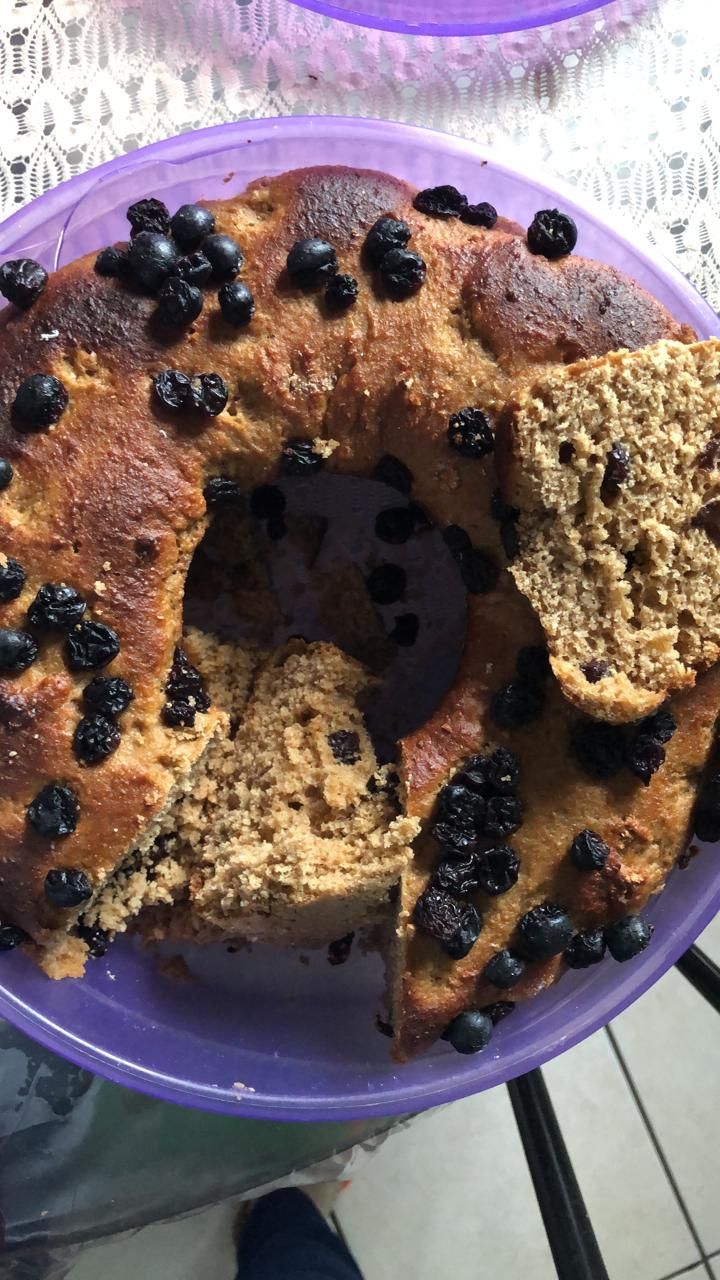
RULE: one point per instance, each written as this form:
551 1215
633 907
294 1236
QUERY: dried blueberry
469 1032
394 525
236 303
480 215
533 663
386 583
479 571
11 937
224 255
276 529
17 651
96 939
185 692
470 432
474 775
299 458
617 470
90 645
706 823
498 868
595 670
457 541
504 969
311 262
503 771
498 1010
345 746
588 851
67 887
341 292
660 726
208 393
440 202
598 748
191 223
39 401
193 267
545 931
172 388
644 757
626 938
148 215
6 473
54 811
339 950
391 471
95 739
509 539
585 949
109 261
56 607
151 259
12 580
179 303
501 510
454 924
552 234
458 875
222 492
107 695
503 815
385 234
405 629
456 841
267 502
22 281
403 273
517 703
461 807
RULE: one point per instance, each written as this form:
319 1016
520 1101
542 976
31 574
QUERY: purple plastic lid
452 17
258 1033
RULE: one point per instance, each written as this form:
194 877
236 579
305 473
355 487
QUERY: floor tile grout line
630 1081
684 1271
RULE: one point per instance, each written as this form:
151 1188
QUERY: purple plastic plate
452 17
258 1033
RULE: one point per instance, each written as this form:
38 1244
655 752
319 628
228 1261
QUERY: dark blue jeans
285 1238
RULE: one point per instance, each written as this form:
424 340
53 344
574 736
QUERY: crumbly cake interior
614 471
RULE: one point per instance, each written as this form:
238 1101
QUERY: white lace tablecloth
624 102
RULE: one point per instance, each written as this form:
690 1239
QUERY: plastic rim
537 14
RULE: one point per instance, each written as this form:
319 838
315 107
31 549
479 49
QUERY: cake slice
613 465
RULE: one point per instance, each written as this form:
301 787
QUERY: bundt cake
326 319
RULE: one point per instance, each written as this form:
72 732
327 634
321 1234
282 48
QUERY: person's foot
323 1195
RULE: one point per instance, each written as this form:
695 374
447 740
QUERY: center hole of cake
343 560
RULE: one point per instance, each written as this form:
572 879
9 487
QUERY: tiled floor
640 1110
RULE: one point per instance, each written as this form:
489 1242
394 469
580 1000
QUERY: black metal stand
703 973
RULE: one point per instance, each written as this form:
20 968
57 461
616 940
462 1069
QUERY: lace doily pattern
624 102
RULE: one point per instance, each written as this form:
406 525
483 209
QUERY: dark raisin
341 292
172 388
91 645
501 510
470 1032
474 775
236 303
222 492
22 281
108 261
179 303
17 651
6 473
499 1010
54 811
479 215
566 452
148 215
617 470
96 939
660 726
56 607
420 516
345 746
504 969
503 815
151 259
440 202
402 273
208 393
470 432
459 806
95 739
191 223
299 458
552 234
598 748
518 703
185 693
454 924
311 262
193 267
595 670
626 938
39 401
385 234
67 887
545 931
391 471
533 663
179 715
706 824
588 851
405 629
644 757
457 541
585 949
12 580
267 502
11 937
478 571
503 771
455 842
386 583
107 695
497 869
394 525
458 875
339 951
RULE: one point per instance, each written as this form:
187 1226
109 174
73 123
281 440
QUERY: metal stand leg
703 974
569 1229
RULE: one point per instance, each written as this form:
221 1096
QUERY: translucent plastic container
258 1033
452 17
